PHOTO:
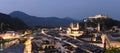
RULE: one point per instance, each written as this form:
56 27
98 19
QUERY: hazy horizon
76 9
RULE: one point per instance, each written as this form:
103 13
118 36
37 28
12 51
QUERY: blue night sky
77 9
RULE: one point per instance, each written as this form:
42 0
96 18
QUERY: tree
91 35
1 42
113 50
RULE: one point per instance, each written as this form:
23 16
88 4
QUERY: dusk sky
77 9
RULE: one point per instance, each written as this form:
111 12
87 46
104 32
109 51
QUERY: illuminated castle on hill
98 16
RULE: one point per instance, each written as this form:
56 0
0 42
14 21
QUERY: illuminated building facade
74 30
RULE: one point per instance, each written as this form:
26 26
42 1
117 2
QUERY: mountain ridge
9 23
42 21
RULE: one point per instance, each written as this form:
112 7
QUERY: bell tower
74 26
98 27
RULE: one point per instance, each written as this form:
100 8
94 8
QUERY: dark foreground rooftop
18 48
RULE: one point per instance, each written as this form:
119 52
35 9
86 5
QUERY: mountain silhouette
9 23
42 21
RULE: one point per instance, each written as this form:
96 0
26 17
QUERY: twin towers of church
74 30
74 26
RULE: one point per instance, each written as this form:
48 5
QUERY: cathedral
74 30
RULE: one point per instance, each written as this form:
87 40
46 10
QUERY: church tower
98 28
74 26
